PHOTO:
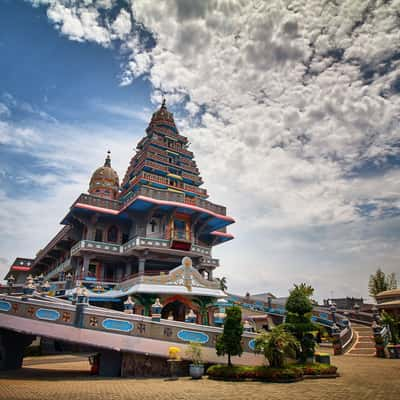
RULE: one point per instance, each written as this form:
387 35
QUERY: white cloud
295 98
122 25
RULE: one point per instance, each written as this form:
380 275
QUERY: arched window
112 234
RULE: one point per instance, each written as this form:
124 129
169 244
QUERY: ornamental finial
107 162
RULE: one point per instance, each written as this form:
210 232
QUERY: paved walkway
362 378
364 344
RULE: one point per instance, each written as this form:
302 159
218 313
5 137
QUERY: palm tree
276 346
222 283
146 300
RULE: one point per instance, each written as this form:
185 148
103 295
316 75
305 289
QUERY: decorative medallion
30 311
193 336
66 317
117 325
47 314
141 328
168 332
93 322
15 307
5 306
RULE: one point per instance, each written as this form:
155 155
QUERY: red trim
181 299
176 204
95 208
224 234
20 268
162 202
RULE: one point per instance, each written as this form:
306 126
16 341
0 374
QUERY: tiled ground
65 378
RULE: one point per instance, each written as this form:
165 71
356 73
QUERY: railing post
82 299
337 343
380 340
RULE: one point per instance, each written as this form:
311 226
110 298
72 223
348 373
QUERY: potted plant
194 352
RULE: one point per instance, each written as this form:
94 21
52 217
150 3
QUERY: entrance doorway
176 309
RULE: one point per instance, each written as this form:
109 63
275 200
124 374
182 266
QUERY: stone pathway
362 378
364 343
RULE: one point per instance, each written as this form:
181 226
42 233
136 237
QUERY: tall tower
133 238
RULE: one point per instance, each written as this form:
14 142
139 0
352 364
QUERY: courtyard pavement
67 377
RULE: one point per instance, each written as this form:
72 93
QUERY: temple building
149 236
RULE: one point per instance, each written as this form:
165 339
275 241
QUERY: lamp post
10 283
68 281
28 288
219 315
40 279
247 326
129 305
45 288
156 310
190 317
332 309
375 313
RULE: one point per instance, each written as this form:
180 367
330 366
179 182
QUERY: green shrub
230 341
258 373
316 369
276 346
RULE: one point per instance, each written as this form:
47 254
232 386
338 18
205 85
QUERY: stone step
365 352
364 346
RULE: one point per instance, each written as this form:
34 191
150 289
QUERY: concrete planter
394 350
196 371
323 358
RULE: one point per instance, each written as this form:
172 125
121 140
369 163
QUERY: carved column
85 266
128 269
142 263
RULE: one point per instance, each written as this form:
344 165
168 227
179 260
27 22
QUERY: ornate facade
130 239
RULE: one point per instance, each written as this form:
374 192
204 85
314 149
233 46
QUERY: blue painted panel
252 344
5 306
324 315
117 325
48 315
192 336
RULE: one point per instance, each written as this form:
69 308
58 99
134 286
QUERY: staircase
364 344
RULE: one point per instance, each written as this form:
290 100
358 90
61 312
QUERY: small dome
104 181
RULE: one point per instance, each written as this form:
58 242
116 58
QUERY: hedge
258 373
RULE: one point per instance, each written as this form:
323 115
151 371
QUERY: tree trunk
229 360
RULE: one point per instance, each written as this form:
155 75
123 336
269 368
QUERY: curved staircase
364 344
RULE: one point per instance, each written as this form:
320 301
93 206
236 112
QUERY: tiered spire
162 160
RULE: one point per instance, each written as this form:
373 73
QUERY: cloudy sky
292 109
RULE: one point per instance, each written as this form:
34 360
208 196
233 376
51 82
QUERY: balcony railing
135 243
167 132
171 147
154 194
165 181
100 247
164 159
64 266
161 243
213 262
179 198
99 202
168 278
145 242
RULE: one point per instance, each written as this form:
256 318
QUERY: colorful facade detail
150 236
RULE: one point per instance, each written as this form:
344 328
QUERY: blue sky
292 113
